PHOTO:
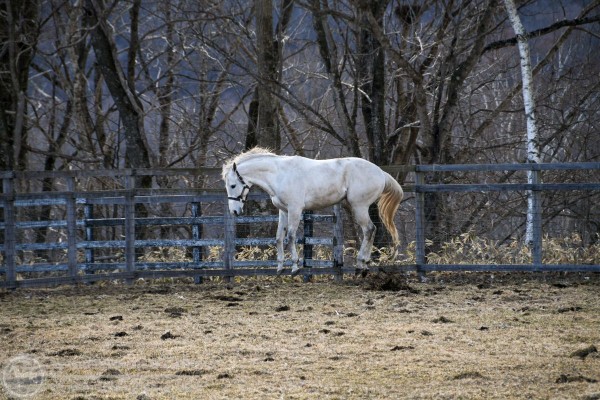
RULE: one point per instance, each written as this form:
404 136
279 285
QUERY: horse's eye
233 186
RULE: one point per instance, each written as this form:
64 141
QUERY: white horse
296 183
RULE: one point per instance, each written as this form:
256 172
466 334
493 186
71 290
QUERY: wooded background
96 84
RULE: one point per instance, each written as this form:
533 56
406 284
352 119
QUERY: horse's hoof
279 272
363 272
295 271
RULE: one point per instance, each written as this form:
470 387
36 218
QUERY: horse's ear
234 167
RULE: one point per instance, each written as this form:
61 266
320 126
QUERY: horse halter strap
241 198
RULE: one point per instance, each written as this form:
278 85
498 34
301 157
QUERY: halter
241 198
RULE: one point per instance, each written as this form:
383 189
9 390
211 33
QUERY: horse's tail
388 205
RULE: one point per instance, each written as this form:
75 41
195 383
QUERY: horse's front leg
293 222
281 233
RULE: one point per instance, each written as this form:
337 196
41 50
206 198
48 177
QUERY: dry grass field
458 336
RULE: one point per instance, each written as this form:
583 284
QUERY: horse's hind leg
281 233
292 226
361 215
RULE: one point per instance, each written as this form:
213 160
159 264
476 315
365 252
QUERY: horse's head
237 190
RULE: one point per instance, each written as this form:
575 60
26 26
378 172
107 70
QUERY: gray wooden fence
536 188
85 269
81 265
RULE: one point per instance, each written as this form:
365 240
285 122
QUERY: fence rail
81 263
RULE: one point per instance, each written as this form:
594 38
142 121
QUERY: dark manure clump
388 282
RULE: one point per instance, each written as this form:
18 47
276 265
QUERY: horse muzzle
235 208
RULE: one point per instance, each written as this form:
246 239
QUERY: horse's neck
260 172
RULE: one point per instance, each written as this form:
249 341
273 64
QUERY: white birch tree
533 153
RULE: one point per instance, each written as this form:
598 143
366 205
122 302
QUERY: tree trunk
371 71
371 75
18 35
251 133
533 153
267 133
130 109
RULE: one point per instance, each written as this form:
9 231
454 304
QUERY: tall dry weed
467 248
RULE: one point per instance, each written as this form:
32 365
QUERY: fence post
71 228
420 223
229 247
536 245
307 248
338 242
197 235
10 239
129 225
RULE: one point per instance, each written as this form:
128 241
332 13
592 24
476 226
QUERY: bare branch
543 31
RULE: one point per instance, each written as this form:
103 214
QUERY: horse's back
360 179
321 183
335 169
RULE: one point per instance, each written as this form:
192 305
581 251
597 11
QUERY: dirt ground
457 336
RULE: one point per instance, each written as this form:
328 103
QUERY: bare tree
126 100
264 109
18 38
533 153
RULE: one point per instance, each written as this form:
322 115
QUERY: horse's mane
247 155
